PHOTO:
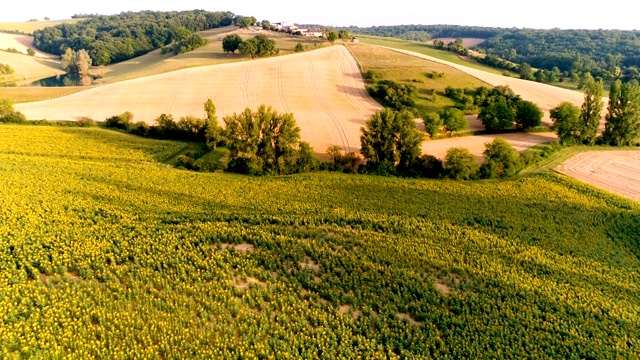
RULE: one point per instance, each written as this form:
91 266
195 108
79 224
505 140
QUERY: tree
460 164
454 120
262 142
332 36
266 24
8 114
307 161
394 95
299 47
122 121
426 166
247 21
525 71
259 46
528 115
567 124
344 35
76 62
497 116
623 118
432 124
231 43
46 18
390 137
213 134
502 160
31 52
591 109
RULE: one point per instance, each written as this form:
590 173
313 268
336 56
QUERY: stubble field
323 89
616 171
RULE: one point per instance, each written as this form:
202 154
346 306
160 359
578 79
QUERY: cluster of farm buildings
291 28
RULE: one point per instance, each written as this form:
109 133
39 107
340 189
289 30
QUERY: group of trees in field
579 126
76 62
607 54
258 46
5 69
391 145
115 38
259 142
390 93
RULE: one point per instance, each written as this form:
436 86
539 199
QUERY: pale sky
543 14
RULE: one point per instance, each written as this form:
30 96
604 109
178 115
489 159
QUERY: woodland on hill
604 53
116 38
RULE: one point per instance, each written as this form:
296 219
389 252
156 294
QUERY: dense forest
116 38
604 53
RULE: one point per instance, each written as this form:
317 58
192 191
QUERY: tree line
579 126
115 38
607 54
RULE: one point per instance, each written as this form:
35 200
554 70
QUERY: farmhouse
283 25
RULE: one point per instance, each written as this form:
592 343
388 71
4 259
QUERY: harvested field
475 144
28 27
323 88
468 42
616 171
21 43
28 67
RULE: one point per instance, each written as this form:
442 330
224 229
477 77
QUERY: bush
460 164
8 114
426 166
121 121
86 122
497 116
372 76
394 95
454 120
432 124
340 161
502 160
299 47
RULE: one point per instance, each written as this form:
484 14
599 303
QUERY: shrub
502 160
454 120
460 164
372 76
426 166
528 115
86 122
121 121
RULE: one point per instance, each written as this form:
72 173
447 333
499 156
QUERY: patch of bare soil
408 318
243 248
615 171
242 285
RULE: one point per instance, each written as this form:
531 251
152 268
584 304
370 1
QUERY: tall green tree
390 138
567 123
76 62
213 133
454 120
432 124
263 141
460 164
497 116
591 109
231 43
332 36
528 115
623 117
501 160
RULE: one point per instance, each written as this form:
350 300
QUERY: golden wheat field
323 88
616 171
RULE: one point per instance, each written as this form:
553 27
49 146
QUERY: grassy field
411 70
425 49
105 252
28 27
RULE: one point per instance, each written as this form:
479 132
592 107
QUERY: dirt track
323 88
616 171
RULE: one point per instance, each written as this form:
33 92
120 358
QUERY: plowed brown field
616 171
323 88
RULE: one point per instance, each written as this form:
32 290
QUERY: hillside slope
105 253
323 88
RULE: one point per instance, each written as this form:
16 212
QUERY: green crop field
407 69
423 48
107 252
